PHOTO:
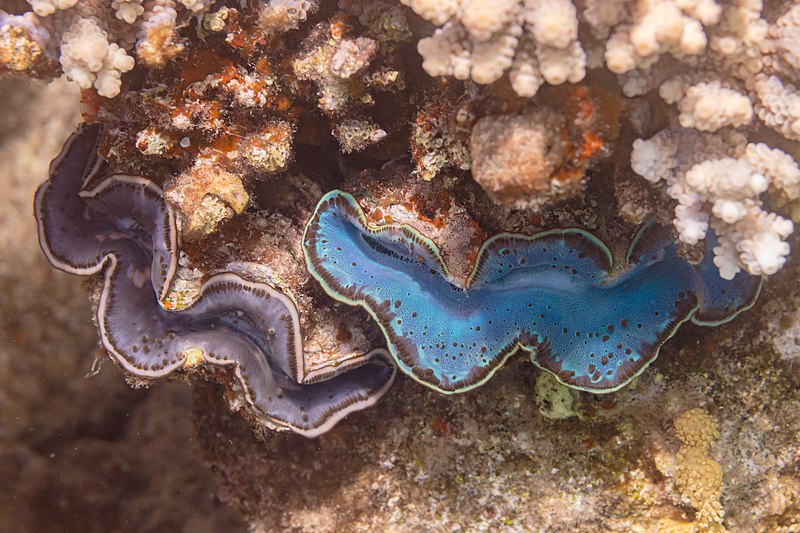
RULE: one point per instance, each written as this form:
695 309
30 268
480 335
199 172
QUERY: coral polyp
124 229
552 294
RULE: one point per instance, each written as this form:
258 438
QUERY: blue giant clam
551 294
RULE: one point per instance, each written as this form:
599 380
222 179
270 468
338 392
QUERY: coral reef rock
515 158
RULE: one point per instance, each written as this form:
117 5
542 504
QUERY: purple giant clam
124 229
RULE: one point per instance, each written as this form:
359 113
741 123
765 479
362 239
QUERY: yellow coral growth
699 482
697 477
18 51
696 428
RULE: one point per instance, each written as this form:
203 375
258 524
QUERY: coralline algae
552 294
124 229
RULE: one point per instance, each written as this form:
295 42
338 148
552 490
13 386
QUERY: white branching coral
778 165
48 7
721 65
720 183
742 66
781 47
127 10
94 41
437 11
746 71
708 106
778 105
196 6
90 60
657 27
535 40
749 65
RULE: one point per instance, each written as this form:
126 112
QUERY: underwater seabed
517 454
